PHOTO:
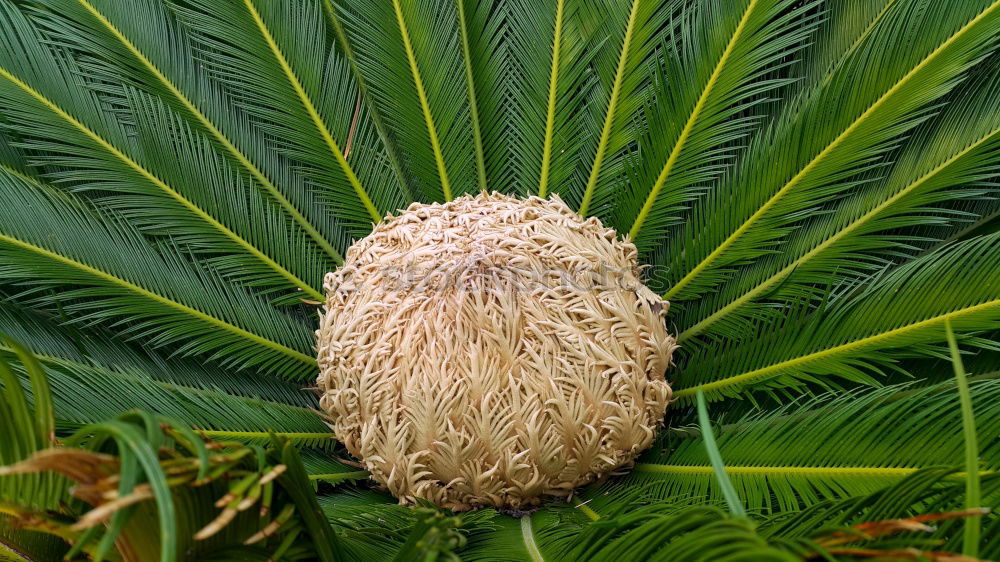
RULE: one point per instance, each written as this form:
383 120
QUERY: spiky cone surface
492 351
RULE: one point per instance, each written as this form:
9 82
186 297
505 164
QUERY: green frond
845 27
540 115
973 496
930 495
55 337
52 112
310 107
572 52
679 531
29 426
470 79
395 43
659 532
550 111
92 388
418 83
164 64
835 445
101 270
303 94
953 159
626 66
487 56
392 152
819 144
87 394
733 48
900 314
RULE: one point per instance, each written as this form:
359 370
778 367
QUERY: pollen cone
492 351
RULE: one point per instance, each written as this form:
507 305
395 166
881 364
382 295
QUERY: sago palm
811 184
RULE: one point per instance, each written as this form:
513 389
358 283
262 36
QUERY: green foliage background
812 183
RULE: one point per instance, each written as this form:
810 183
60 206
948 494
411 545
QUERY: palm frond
729 49
88 394
430 111
928 496
845 27
29 426
153 487
900 314
641 33
89 391
550 105
301 94
52 112
164 64
100 269
881 523
829 136
392 152
835 445
470 83
537 99
952 160
659 532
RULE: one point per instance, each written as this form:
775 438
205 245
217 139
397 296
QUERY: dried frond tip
492 351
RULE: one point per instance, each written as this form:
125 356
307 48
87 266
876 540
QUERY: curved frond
419 79
164 64
951 161
540 115
302 93
53 113
89 394
57 338
392 152
833 445
728 49
819 144
101 270
470 79
644 25
550 111
900 314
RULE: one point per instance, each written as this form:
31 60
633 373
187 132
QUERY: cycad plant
810 183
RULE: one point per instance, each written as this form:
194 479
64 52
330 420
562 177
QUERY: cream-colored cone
492 351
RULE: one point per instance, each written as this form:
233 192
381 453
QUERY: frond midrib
477 134
235 434
773 200
314 115
550 113
609 117
771 370
773 280
160 184
338 476
528 538
221 137
425 106
777 470
859 471
131 287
